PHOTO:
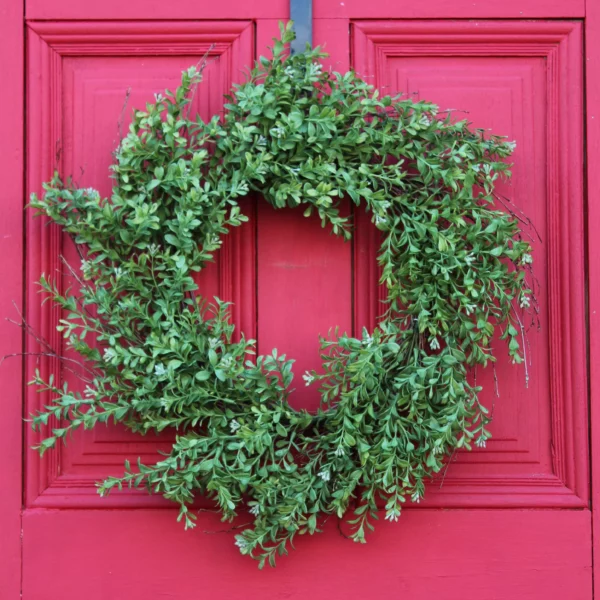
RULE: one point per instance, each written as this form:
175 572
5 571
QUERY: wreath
395 402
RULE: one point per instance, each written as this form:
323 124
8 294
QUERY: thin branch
339 528
522 218
51 355
30 331
229 529
523 337
122 117
201 65
447 467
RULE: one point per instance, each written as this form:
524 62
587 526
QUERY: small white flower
316 69
416 497
159 370
289 71
91 191
392 516
525 301
425 120
512 146
234 426
480 442
339 451
278 132
213 342
434 344
295 171
470 308
527 259
241 543
308 377
262 141
153 249
324 475
226 363
469 259
385 204
255 510
437 450
89 392
109 354
158 97
85 267
380 220
118 272
368 340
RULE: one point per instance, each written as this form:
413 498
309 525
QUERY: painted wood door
509 521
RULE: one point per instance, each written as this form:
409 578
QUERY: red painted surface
429 555
11 295
592 63
304 290
442 9
522 80
511 521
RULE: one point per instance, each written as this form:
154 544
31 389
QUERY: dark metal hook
301 15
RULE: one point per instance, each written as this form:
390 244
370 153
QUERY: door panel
510 78
427 555
291 280
79 79
304 291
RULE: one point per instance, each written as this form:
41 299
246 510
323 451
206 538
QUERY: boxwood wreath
396 402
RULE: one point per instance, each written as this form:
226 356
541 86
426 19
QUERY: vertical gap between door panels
354 216
254 212
586 262
23 386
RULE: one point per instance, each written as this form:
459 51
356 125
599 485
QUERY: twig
339 527
57 155
496 390
520 217
30 331
228 530
201 65
63 358
523 337
447 467
122 117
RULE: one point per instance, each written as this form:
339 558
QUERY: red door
510 521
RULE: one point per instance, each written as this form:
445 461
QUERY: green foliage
395 402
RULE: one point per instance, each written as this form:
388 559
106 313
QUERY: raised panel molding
536 70
514 474
73 67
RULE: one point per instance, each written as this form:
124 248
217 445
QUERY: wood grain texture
442 9
82 56
522 80
79 74
11 295
428 554
304 291
592 70
148 10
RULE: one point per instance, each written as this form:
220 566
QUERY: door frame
12 54
327 26
592 148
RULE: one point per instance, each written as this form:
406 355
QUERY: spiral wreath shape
396 401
